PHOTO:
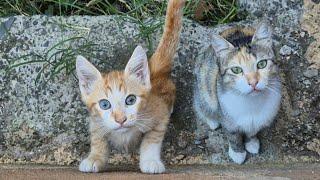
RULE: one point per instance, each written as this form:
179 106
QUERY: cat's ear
88 75
137 68
263 35
221 46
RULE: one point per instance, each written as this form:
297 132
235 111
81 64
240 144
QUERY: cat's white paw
213 124
152 166
253 146
92 165
237 157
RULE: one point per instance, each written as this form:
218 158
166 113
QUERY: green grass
208 12
61 57
57 59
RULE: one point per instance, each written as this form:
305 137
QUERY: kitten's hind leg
252 145
236 148
150 151
97 159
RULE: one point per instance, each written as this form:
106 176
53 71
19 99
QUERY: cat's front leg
98 156
150 151
236 148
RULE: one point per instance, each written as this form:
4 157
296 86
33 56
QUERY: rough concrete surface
47 123
277 172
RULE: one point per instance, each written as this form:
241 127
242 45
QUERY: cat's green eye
131 99
104 104
262 64
236 70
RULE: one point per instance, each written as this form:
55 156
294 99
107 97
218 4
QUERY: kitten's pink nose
253 84
119 117
121 120
253 79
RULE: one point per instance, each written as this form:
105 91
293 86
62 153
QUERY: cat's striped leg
236 148
97 159
150 151
252 145
206 117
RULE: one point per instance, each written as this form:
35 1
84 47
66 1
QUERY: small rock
314 145
182 144
302 34
285 50
180 157
307 82
295 112
197 142
310 73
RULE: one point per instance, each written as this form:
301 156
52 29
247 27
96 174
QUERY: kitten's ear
137 68
263 35
220 45
88 75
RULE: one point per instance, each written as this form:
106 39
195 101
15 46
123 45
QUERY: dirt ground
270 171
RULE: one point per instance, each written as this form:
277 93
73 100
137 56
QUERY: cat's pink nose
253 84
253 79
120 117
121 120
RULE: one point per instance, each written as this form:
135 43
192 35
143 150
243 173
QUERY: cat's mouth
255 91
122 129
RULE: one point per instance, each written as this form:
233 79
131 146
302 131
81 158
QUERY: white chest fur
250 114
125 140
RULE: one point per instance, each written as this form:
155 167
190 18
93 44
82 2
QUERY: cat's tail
161 61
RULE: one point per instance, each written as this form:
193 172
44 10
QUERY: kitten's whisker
275 91
143 125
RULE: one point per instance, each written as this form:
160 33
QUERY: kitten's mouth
121 129
255 91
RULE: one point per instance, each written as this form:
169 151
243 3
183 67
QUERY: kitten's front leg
236 148
98 156
150 151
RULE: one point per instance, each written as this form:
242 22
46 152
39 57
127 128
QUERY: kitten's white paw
92 165
213 124
253 146
152 166
237 157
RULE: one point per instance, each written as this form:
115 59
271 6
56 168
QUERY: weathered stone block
47 123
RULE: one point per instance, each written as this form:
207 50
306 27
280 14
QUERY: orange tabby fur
154 106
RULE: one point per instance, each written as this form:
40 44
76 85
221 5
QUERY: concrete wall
47 123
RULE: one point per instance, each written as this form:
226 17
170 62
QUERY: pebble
307 82
197 142
182 143
309 73
285 50
180 157
295 112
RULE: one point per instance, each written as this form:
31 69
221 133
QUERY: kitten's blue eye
131 99
262 64
104 104
236 70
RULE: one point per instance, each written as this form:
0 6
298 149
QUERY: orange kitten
134 105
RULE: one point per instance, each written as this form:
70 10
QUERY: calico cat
132 106
238 86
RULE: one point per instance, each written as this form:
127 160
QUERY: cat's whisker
144 122
142 127
144 114
274 90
